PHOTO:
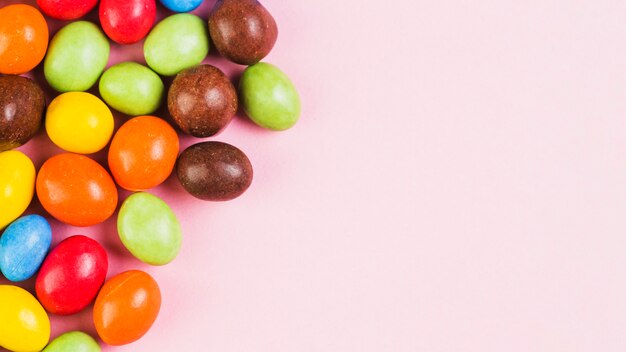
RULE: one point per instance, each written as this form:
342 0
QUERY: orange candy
126 307
23 38
76 190
143 153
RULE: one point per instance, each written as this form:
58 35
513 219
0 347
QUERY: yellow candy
79 122
17 185
24 324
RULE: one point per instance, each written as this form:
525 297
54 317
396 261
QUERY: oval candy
23 38
126 307
76 190
72 275
74 341
143 153
25 324
149 229
66 9
78 54
23 247
79 122
268 97
127 21
22 103
17 185
132 89
178 42
202 101
181 5
243 31
214 171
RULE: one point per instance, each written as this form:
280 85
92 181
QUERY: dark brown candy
243 31
22 104
202 100
214 171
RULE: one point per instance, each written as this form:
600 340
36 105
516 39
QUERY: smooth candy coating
181 5
78 54
132 89
243 31
127 21
22 104
17 185
143 153
214 171
66 9
79 122
149 229
23 247
23 38
202 100
72 275
178 42
268 97
74 341
126 307
25 324
76 190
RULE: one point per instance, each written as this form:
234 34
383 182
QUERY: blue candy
24 246
181 5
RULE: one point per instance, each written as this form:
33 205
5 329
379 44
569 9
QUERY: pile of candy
143 152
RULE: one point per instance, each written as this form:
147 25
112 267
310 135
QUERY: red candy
72 275
127 21
66 9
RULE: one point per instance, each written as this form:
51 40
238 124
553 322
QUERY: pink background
457 182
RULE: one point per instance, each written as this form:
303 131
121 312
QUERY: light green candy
76 57
149 229
268 97
132 89
176 43
75 341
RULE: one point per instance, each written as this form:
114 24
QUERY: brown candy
243 31
202 100
214 171
22 105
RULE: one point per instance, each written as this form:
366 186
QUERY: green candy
176 43
75 341
149 229
132 89
76 57
268 97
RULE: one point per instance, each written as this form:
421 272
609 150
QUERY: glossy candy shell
143 153
74 341
214 171
149 229
17 185
23 247
127 21
72 275
79 122
126 307
23 38
268 97
78 54
24 323
178 42
76 190
66 9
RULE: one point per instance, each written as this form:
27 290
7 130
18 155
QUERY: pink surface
457 182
